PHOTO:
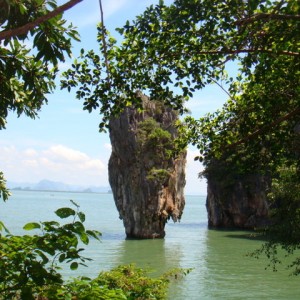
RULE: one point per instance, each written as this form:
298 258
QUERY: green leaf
84 238
74 265
62 257
65 212
78 227
81 216
94 233
3 227
22 8
43 256
30 226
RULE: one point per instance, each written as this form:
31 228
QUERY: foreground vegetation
30 265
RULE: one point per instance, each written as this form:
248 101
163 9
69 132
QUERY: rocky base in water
146 181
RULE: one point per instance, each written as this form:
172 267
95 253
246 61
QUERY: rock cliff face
242 204
147 184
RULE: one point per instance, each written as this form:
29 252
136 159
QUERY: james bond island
147 181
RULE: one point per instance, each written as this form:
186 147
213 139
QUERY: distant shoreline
58 191
79 192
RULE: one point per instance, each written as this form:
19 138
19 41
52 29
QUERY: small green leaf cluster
122 282
134 283
4 192
156 145
154 139
159 175
31 262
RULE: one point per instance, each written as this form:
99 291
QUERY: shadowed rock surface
242 204
147 184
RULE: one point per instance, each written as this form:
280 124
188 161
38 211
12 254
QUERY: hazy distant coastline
55 186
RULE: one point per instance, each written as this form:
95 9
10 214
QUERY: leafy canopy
171 51
31 46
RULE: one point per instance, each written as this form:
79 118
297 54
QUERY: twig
224 90
104 43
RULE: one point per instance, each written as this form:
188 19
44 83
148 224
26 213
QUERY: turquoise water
221 268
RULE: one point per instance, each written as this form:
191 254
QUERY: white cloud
64 66
112 6
6 151
57 163
61 163
107 146
31 163
62 153
30 152
83 15
194 185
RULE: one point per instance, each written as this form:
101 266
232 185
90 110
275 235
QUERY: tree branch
27 27
256 133
283 52
265 16
220 86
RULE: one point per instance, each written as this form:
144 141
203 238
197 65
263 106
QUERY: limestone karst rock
239 204
147 183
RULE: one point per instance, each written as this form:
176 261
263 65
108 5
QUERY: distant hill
48 185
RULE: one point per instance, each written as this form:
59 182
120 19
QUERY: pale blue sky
64 144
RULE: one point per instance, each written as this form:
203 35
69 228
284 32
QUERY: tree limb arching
27 27
241 51
267 17
256 133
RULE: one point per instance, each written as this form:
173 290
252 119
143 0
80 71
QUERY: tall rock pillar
146 181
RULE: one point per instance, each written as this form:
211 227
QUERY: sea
221 268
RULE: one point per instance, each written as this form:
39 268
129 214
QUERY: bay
221 269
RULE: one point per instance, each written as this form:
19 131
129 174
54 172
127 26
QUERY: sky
64 143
